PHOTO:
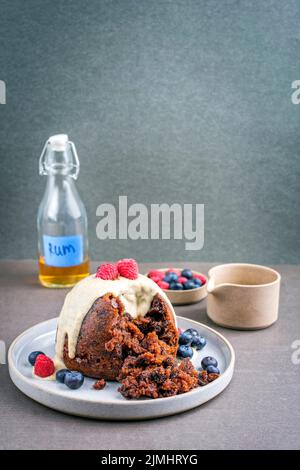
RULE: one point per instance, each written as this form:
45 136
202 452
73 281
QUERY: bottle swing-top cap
70 161
58 142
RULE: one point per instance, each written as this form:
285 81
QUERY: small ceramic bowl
189 296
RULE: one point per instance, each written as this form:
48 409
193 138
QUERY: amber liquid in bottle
51 276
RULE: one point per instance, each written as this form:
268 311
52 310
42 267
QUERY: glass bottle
62 220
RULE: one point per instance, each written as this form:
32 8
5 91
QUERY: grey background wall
168 101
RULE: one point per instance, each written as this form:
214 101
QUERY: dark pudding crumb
204 378
100 384
156 376
150 368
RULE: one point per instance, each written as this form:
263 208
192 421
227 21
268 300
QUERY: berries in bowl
182 286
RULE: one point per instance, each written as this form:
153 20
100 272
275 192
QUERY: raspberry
107 271
163 285
128 268
156 273
182 279
155 279
200 277
43 366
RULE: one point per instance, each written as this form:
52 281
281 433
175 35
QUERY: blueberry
60 375
197 282
176 286
185 337
212 370
189 285
170 277
33 355
187 273
172 272
208 361
185 350
198 342
173 277
193 331
73 379
172 285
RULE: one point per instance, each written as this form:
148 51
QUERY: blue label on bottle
63 252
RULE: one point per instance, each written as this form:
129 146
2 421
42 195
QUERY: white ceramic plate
108 403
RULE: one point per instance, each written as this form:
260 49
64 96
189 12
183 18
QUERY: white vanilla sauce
136 295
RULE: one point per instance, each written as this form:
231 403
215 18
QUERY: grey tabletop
259 410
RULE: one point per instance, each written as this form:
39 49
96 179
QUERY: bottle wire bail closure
50 145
